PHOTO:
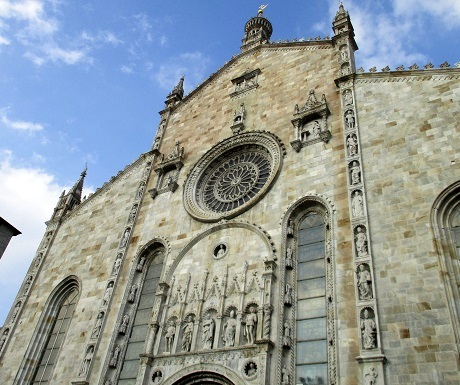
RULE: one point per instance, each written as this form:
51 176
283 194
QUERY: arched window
43 352
445 217
147 287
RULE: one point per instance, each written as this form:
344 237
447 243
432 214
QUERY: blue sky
83 81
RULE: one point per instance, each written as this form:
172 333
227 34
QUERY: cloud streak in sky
20 125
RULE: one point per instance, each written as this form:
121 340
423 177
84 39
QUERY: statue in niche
187 334
368 331
208 332
285 375
140 264
156 143
125 238
361 242
251 369
38 259
344 53
350 119
251 326
287 334
47 240
132 293
27 284
16 311
107 294
355 173
357 205
140 192
97 327
290 228
238 115
169 337
288 295
114 357
370 378
222 249
86 362
124 324
347 97
316 129
289 257
3 339
117 265
352 145
157 377
229 330
364 283
132 214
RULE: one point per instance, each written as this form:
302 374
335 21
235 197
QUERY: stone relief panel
246 82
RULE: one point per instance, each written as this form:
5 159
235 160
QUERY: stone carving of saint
316 128
107 294
361 242
230 330
370 378
344 53
251 326
352 145
140 192
368 330
146 172
3 339
357 205
47 240
97 327
290 228
16 311
38 259
289 257
187 335
125 238
347 97
350 119
124 324
364 283
288 295
169 337
251 370
287 334
208 332
132 214
117 265
355 173
132 293
86 362
141 263
221 252
345 70
114 358
238 115
27 284
157 377
284 375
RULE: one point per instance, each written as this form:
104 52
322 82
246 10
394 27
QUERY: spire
67 202
258 30
176 94
342 21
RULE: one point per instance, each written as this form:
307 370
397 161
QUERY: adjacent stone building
7 231
296 221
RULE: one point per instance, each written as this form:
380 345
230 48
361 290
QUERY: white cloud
4 41
126 69
19 125
193 65
448 11
27 201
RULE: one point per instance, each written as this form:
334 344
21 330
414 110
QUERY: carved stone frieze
246 82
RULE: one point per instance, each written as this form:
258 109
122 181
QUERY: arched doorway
204 378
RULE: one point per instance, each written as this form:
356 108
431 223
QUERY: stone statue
288 295
285 375
16 311
132 214
157 377
316 128
221 252
208 332
97 327
124 324
364 283
289 257
357 205
86 362
355 173
361 242
187 335
368 331
114 358
350 119
132 293
140 264
261 10
47 239
38 259
251 369
107 294
352 145
117 265
344 53
287 334
140 192
28 284
251 326
290 228
4 338
238 115
347 97
125 238
169 337
229 330
370 378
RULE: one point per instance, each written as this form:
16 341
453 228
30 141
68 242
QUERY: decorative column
371 358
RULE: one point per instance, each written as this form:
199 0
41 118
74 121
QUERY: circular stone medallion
232 176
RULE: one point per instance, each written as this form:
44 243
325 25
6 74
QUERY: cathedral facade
296 221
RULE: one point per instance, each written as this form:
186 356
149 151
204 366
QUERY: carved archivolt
232 176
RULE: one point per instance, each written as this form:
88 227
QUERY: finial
85 170
261 10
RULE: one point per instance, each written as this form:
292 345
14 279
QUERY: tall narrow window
140 327
455 226
311 330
